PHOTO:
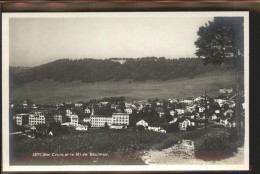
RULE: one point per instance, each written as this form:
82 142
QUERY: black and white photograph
102 91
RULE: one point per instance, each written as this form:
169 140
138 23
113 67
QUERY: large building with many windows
37 117
100 120
115 119
120 118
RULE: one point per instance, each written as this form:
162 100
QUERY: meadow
120 147
52 92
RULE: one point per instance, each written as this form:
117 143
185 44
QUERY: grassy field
116 147
123 147
50 92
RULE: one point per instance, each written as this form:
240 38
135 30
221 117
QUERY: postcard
125 91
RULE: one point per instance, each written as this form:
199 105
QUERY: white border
5 92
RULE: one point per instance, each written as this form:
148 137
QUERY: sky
36 41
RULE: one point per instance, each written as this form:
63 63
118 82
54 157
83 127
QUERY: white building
226 90
57 118
87 111
201 109
185 123
100 120
86 119
36 117
172 112
180 111
78 105
120 118
129 110
142 123
82 127
74 120
68 113
22 119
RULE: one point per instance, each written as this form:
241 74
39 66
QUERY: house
228 122
68 113
82 127
161 113
153 128
173 100
57 118
74 120
37 117
34 106
229 113
142 123
217 111
190 109
120 118
86 119
78 105
172 112
129 110
226 90
180 111
198 99
87 111
187 101
114 126
113 106
184 123
22 119
201 109
214 117
173 121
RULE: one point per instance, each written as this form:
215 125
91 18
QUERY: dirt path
168 156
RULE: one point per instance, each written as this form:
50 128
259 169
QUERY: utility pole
205 109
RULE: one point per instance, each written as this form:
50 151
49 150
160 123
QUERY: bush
173 128
140 128
215 145
190 128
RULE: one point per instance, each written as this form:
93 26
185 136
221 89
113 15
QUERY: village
115 113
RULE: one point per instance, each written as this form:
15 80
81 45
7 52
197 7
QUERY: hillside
97 70
51 92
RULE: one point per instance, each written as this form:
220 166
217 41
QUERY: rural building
57 118
180 111
74 119
156 129
82 127
129 110
37 117
22 119
86 119
113 126
184 123
68 113
142 123
226 90
201 109
87 111
229 113
172 112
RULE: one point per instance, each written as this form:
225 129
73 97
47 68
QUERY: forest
94 70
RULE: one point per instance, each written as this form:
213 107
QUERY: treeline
94 70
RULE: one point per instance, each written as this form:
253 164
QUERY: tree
222 42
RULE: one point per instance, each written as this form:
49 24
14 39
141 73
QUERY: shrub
214 145
140 128
173 128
